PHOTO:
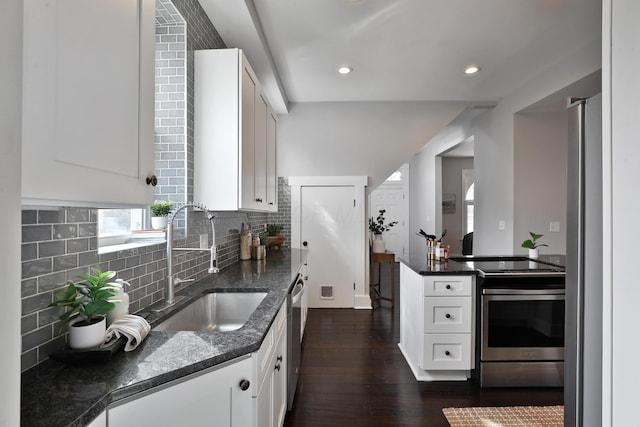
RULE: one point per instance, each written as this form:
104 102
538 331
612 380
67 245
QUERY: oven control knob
447 353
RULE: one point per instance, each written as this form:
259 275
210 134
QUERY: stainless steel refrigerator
583 312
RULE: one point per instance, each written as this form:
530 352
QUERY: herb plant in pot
160 209
377 227
533 245
87 302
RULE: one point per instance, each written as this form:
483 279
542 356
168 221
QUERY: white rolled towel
135 328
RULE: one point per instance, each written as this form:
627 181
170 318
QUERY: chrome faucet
172 281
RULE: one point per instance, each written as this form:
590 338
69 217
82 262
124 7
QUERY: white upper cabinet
88 100
272 180
233 127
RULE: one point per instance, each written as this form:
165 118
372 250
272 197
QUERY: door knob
244 385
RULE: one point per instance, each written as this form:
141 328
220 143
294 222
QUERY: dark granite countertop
420 265
465 264
57 394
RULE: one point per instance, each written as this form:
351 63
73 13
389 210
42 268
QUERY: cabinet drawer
446 352
447 315
448 286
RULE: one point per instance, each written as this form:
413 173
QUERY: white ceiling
401 49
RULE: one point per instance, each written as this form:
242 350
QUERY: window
468 189
115 226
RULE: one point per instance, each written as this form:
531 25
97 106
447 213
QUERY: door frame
361 298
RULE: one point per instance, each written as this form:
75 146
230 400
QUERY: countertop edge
56 380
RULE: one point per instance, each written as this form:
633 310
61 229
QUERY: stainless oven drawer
522 374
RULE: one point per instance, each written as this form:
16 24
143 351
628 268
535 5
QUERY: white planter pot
533 253
377 246
84 337
159 222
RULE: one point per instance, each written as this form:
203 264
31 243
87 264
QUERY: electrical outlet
204 241
554 226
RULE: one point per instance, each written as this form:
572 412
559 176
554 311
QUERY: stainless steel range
521 323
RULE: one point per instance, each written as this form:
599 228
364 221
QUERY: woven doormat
510 416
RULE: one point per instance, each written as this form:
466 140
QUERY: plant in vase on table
87 302
160 209
377 227
533 245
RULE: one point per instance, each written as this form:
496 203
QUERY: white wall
494 136
424 201
10 155
357 138
540 181
621 174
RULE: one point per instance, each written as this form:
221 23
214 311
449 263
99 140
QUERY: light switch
502 225
554 226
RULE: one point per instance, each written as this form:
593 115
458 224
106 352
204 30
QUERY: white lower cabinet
249 391
270 401
218 398
99 421
437 325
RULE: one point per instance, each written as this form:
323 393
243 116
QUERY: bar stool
374 287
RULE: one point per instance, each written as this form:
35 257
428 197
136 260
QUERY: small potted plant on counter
160 209
274 238
87 302
533 245
377 227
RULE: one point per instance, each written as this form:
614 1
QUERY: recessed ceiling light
345 70
472 69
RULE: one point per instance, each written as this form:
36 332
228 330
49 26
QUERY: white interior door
327 223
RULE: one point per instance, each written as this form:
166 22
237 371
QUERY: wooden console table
374 287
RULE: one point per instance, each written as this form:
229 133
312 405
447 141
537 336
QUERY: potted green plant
377 227
87 302
274 238
160 209
532 244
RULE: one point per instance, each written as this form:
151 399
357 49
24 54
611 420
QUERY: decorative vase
377 246
158 222
533 253
87 336
275 242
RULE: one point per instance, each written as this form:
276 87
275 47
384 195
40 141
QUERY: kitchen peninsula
73 395
441 324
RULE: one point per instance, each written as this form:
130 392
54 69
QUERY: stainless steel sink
216 311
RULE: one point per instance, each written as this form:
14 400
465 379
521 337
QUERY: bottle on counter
121 307
245 242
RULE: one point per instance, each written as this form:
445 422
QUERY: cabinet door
280 382
272 174
212 399
248 137
260 159
88 102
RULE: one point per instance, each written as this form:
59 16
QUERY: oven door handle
523 291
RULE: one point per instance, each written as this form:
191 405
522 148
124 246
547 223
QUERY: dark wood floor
353 374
